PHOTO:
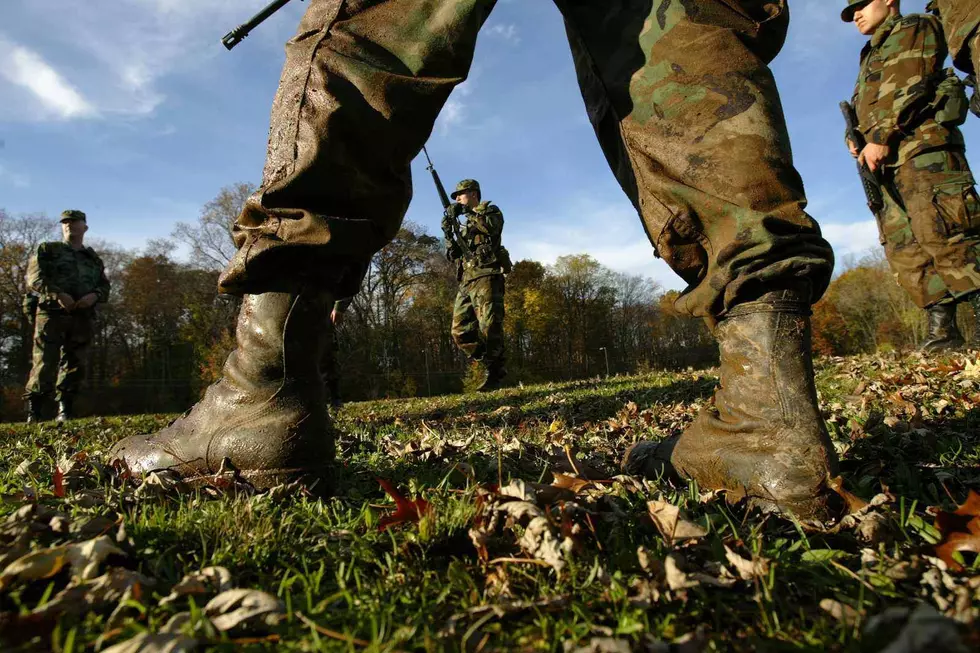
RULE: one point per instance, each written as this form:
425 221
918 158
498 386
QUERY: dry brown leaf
84 558
960 531
854 503
747 569
840 611
155 643
244 608
670 521
566 482
210 580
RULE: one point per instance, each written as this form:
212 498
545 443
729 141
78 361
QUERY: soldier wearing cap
69 280
961 24
481 262
909 109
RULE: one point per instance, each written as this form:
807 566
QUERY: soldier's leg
488 302
466 327
73 357
329 364
688 114
361 88
48 339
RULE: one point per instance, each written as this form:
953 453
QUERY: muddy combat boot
494 378
65 411
764 437
943 332
267 415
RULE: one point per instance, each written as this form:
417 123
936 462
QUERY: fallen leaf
960 531
84 558
566 482
210 580
840 611
670 521
59 482
155 643
854 503
747 569
244 608
405 510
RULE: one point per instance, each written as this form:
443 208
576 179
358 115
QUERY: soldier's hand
853 148
66 301
87 301
873 155
336 316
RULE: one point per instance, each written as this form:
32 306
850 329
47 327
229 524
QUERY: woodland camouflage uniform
478 313
689 118
931 216
61 338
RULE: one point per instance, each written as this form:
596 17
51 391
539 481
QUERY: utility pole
606 353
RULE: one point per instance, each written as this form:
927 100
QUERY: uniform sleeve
907 80
103 287
40 274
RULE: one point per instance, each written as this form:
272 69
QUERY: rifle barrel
235 36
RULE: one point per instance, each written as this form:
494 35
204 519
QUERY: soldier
689 118
481 260
69 280
909 110
961 24
330 362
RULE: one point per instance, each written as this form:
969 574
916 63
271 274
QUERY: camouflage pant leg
329 363
478 320
74 352
689 117
938 191
360 90
50 331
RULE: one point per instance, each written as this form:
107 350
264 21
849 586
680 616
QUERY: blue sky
134 112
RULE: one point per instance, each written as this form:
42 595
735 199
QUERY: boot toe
651 460
141 455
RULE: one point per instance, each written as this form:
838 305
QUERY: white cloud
855 238
109 57
507 32
28 70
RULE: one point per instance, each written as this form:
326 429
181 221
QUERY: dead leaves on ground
960 531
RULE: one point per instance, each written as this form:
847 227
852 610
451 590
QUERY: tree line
164 334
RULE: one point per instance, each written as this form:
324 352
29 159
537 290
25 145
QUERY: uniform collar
885 29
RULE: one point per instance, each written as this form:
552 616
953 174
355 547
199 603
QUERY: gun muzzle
234 37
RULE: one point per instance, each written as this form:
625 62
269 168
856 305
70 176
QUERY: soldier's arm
490 222
40 274
907 79
103 287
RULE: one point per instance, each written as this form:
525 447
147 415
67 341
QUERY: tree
210 238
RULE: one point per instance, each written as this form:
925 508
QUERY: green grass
904 424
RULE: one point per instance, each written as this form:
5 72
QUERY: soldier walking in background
68 280
961 25
481 263
909 110
687 112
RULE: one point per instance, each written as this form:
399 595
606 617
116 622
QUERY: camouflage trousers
930 227
679 93
61 342
478 320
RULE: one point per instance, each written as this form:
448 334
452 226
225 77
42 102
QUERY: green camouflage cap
70 215
852 5
465 185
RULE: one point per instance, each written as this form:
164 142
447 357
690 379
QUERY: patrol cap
465 185
70 215
852 6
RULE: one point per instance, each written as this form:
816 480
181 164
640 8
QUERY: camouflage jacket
961 19
895 95
481 233
57 268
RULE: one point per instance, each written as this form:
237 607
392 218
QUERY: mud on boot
267 414
943 332
763 438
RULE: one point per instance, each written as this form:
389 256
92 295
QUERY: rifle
235 36
872 187
450 226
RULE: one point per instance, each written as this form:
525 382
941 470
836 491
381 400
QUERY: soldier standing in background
689 118
481 263
331 350
961 24
68 279
909 109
